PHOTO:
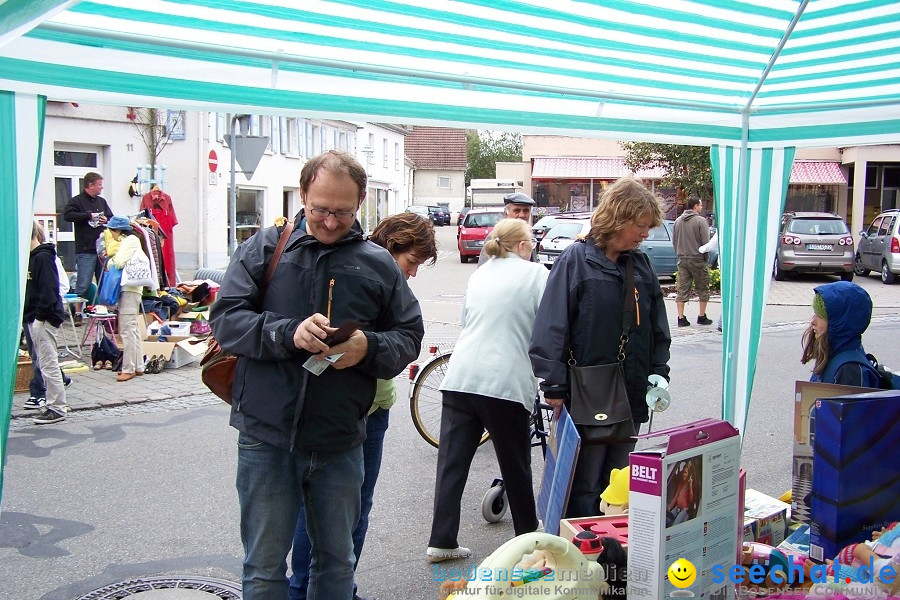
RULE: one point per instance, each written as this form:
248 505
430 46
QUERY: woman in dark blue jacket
833 341
581 312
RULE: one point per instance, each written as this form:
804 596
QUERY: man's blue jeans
373 447
87 265
272 485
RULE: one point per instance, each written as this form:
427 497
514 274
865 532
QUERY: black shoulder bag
599 403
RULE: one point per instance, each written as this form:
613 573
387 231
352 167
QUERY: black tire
858 267
425 401
777 273
848 276
887 277
463 258
494 504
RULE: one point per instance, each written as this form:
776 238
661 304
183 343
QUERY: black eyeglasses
340 215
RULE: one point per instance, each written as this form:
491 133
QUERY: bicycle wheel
425 400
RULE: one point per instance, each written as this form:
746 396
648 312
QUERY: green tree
484 149
153 129
685 168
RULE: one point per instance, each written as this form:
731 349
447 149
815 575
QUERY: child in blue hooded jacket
841 313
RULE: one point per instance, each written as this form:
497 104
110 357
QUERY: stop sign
213 161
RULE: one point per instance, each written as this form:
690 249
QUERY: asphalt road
148 490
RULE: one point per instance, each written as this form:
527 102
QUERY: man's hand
354 350
310 333
554 402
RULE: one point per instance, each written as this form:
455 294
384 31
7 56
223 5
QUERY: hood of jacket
47 248
849 310
689 214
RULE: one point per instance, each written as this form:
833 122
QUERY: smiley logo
682 573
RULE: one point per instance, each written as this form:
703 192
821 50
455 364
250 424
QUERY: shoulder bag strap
629 305
273 264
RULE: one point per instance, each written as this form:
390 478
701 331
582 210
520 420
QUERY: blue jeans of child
373 447
273 485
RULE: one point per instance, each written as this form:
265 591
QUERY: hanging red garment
160 206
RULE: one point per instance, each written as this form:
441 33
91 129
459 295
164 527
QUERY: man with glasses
302 418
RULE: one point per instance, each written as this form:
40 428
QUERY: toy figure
614 499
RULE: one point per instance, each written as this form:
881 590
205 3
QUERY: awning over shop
586 168
817 171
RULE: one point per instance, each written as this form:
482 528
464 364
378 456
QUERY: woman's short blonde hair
623 202
37 232
505 236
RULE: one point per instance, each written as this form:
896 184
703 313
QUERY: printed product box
857 473
805 395
797 543
614 526
765 518
683 504
177 350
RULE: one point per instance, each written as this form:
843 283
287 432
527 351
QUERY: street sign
247 149
213 161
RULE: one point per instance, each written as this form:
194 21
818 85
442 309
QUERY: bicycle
425 396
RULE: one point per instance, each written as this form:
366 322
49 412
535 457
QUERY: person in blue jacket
833 341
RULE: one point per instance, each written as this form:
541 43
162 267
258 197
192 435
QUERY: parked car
462 215
422 211
813 242
543 225
438 216
879 247
658 245
470 236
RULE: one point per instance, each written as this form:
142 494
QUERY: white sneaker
440 554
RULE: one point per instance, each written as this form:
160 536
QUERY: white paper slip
315 366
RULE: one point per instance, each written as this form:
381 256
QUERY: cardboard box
178 328
683 503
857 474
797 543
805 395
765 518
177 350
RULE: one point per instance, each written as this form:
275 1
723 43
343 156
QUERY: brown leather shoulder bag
218 365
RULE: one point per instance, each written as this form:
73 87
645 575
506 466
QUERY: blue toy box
856 473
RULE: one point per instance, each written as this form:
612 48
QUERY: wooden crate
23 375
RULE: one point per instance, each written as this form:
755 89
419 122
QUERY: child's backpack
888 380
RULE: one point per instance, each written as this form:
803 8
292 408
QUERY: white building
194 169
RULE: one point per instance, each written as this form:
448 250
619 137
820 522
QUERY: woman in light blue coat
490 385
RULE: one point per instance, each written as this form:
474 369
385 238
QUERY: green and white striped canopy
753 79
817 73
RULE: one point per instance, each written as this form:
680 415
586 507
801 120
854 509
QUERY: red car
476 226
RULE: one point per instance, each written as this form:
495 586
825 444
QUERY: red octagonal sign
213 161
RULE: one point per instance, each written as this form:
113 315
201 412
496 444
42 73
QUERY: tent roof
814 73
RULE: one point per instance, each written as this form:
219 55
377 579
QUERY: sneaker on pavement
683 322
440 554
67 381
704 320
49 416
35 403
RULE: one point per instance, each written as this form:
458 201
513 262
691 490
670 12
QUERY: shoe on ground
49 416
683 322
108 365
67 381
98 365
124 376
440 554
79 320
704 320
35 403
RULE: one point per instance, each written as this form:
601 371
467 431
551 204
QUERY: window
396 156
443 182
384 153
323 138
308 138
175 124
288 130
69 158
892 177
871 177
220 127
